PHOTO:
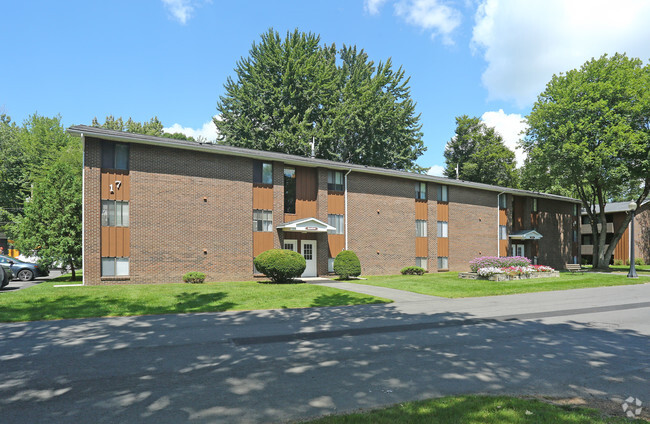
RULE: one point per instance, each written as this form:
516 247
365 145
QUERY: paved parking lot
17 284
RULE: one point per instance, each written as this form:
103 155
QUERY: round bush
347 264
412 270
280 265
194 277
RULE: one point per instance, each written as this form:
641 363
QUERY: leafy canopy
480 154
291 91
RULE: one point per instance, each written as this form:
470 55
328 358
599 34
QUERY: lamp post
632 273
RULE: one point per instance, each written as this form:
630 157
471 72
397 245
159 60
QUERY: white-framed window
443 229
335 221
115 213
421 191
443 193
330 264
115 267
420 228
421 262
262 220
443 262
335 180
503 232
503 201
262 172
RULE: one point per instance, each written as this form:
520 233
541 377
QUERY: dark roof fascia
121 136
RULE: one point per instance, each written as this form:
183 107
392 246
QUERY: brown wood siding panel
443 212
110 177
503 247
443 246
503 217
336 244
263 197
262 241
421 247
622 249
518 213
116 242
421 210
306 192
534 222
335 203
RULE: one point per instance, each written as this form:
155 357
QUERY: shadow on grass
339 299
294 281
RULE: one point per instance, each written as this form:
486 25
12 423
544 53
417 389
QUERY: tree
51 224
480 154
14 187
290 92
152 127
590 129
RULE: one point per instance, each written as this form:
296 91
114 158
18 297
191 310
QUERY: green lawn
46 302
626 268
475 410
449 285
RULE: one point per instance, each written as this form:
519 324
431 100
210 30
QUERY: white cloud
181 10
431 15
372 6
525 42
208 131
510 127
436 170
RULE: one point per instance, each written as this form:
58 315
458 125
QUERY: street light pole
632 273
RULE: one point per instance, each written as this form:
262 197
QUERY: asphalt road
272 366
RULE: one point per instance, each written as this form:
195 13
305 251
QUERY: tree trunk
72 270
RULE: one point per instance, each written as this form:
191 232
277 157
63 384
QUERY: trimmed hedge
498 262
412 270
194 277
347 264
280 265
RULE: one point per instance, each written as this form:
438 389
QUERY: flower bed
507 268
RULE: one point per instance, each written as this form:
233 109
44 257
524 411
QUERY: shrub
280 265
639 261
194 277
618 262
347 264
498 262
412 270
489 271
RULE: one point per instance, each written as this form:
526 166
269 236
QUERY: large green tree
14 186
590 132
291 91
479 153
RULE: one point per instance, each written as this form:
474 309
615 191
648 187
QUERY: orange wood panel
336 244
503 247
306 209
335 203
306 192
622 249
421 247
443 211
503 217
262 241
121 191
443 246
116 242
263 197
421 210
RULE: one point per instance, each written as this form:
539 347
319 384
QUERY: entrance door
309 253
518 250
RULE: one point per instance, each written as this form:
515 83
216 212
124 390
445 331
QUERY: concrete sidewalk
387 293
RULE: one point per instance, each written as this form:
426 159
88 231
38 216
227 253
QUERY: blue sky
170 58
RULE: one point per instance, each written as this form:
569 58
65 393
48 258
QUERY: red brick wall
92 211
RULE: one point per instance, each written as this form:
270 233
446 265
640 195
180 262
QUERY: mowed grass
449 285
475 410
46 302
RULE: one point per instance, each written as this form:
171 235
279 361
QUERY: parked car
5 275
24 271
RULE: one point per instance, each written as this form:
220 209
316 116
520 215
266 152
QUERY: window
585 219
115 213
443 262
575 235
420 228
503 201
289 190
335 221
262 220
586 239
575 259
115 155
443 228
443 193
421 262
115 267
262 172
330 264
503 232
421 191
575 209
534 204
335 180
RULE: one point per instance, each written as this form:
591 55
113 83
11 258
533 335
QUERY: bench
574 268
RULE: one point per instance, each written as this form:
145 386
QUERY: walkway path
387 293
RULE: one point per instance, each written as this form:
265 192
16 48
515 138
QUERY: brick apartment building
615 214
155 208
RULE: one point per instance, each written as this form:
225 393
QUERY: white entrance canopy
526 235
306 225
